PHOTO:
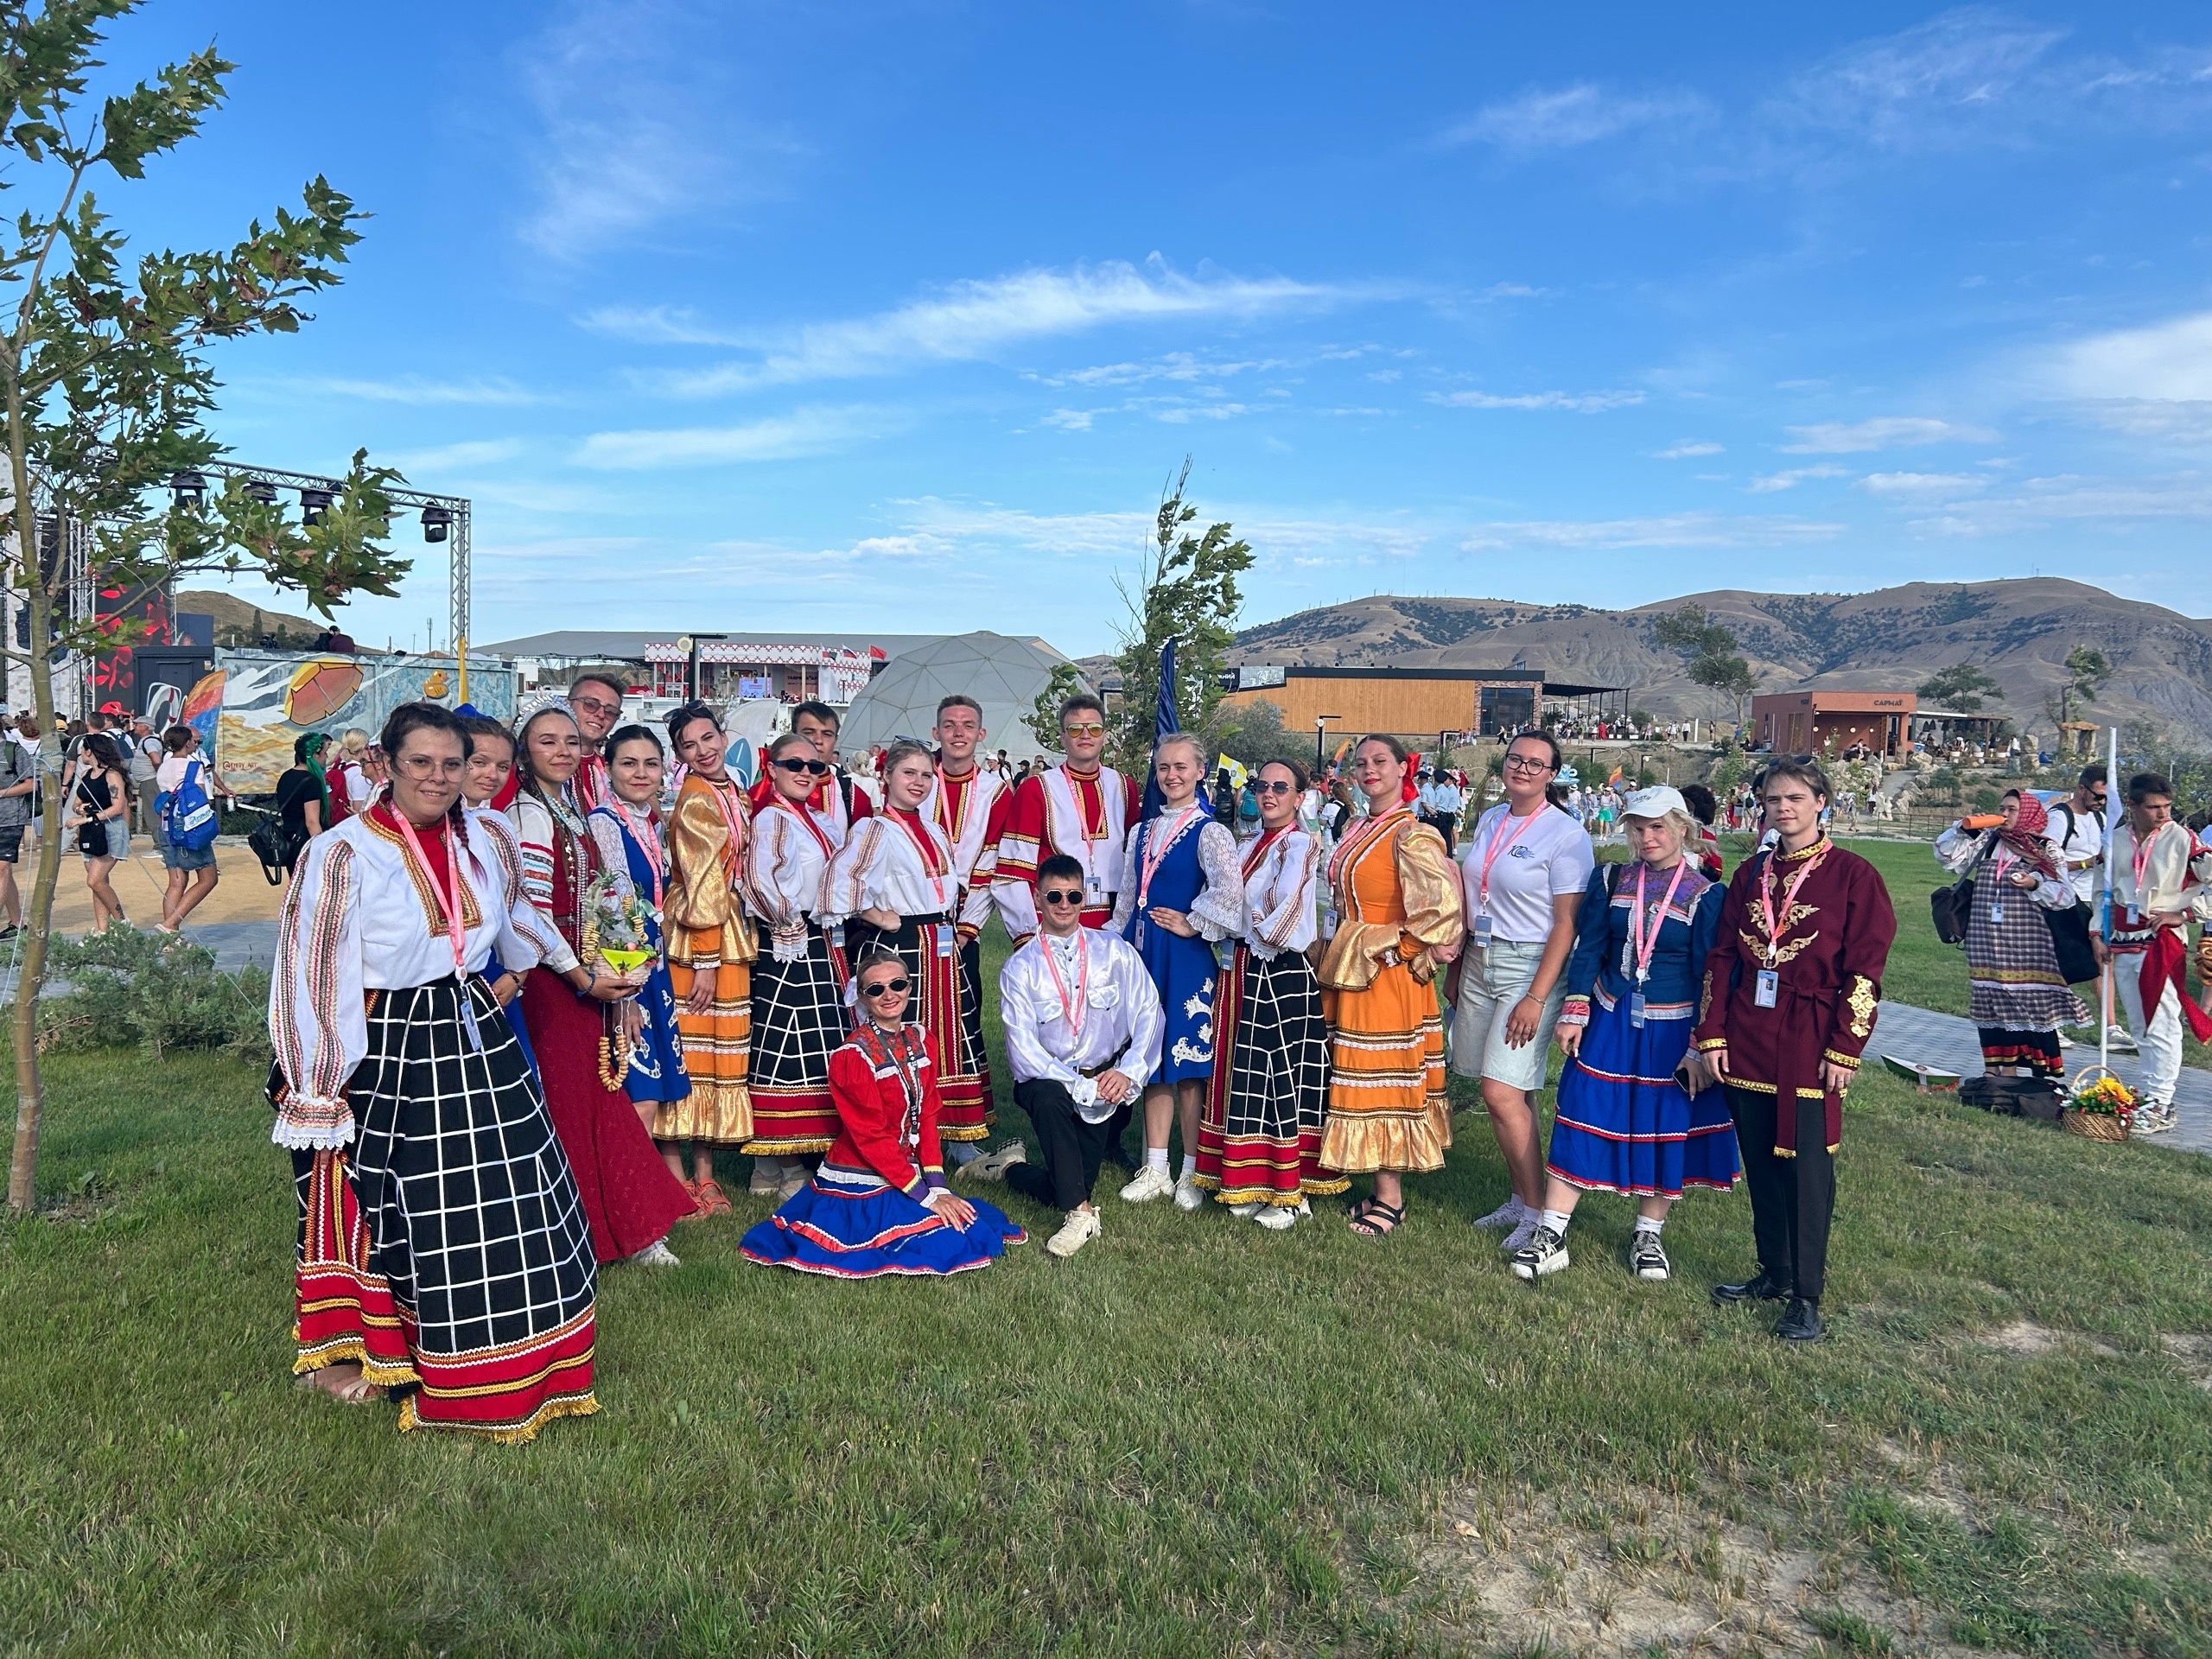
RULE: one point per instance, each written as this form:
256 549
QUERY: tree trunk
38 912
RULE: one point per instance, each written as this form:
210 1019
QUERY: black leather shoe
1801 1323
1761 1287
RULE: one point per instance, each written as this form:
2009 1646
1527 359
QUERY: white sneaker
993 1165
767 1176
2120 1037
1246 1211
1277 1218
1150 1184
1189 1195
1545 1253
1077 1230
1505 1218
655 1255
1523 1231
2153 1119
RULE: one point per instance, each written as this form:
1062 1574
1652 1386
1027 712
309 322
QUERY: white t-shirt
1551 857
2084 840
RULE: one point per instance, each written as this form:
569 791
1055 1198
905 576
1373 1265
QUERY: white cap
1655 803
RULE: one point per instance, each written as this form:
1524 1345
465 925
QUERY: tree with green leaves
106 392
1707 648
1043 719
1962 687
2087 671
1186 592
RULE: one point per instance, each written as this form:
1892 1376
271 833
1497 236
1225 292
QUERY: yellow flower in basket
2105 1094
617 924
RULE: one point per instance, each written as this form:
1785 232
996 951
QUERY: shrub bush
154 993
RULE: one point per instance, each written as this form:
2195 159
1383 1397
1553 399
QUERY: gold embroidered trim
1860 1001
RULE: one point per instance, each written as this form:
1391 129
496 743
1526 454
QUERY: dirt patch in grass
2025 1339
2192 1351
1630 1571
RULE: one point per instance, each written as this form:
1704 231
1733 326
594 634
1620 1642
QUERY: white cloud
1685 449
483 452
973 319
414 389
2071 498
2167 362
1884 432
1914 484
1585 403
1567 117
1956 75
783 437
1790 479
655 325
1069 420
1671 530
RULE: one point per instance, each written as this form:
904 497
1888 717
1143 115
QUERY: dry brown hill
2018 632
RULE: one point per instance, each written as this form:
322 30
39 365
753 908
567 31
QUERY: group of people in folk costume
482 1109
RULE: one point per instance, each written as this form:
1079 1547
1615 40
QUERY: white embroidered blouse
1218 910
784 864
1092 1005
362 915
1281 882
893 862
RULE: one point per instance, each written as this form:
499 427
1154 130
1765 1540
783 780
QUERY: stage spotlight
313 503
190 488
261 490
437 523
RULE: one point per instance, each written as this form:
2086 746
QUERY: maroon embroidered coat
1827 951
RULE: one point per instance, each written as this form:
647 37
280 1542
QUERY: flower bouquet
617 924
2099 1106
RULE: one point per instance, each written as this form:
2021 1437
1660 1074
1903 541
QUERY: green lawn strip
1197 1438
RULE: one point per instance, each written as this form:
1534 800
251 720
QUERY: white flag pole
2104 917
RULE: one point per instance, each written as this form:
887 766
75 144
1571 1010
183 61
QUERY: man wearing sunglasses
969 802
1081 810
837 803
596 696
1083 1031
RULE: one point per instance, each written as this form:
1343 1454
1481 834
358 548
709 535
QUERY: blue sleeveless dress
657 1062
1185 970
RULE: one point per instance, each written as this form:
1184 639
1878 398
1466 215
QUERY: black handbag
2070 943
1952 907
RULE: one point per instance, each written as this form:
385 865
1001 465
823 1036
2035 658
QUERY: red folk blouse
885 1092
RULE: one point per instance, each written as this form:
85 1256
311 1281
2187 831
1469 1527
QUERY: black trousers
1793 1200
1071 1149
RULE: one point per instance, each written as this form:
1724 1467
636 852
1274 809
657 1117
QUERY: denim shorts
1491 982
175 857
11 842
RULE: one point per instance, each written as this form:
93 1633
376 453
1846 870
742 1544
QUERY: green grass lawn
1197 1438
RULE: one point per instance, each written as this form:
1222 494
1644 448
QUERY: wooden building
1829 722
1418 702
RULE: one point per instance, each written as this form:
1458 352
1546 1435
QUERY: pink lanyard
1073 1008
645 840
1788 898
1156 847
725 796
821 835
1644 946
1497 850
926 849
2140 858
449 902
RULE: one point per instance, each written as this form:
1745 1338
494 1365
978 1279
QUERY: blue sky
896 316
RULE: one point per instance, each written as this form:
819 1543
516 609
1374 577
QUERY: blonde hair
1685 825
1196 744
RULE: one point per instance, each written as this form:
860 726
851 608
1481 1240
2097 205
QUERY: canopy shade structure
1004 675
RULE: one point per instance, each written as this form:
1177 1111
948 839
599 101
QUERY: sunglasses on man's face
885 987
817 768
1062 895
597 705
1083 728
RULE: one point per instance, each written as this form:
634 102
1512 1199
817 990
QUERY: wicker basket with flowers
2099 1106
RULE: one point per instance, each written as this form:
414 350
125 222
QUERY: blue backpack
187 816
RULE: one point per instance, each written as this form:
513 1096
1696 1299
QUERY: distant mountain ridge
2018 632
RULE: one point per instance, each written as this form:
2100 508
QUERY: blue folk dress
1197 873
1624 1125
657 1059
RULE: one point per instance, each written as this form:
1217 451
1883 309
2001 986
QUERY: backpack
187 816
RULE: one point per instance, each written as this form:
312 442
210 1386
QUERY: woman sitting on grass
1638 1113
879 1203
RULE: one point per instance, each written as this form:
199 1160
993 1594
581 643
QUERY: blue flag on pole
1163 723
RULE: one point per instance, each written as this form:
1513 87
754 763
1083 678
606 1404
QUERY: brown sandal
711 1197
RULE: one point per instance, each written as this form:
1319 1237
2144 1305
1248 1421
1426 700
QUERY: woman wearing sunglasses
879 1203
1180 890
574 1006
1260 1137
798 1011
895 883
1397 898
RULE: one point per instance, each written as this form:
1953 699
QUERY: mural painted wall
253 704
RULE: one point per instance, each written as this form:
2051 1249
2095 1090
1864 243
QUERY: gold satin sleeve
1430 884
705 924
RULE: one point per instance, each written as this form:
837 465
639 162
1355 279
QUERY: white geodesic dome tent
1004 675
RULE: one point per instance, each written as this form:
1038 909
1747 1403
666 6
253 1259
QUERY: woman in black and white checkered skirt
1260 1133
798 1006
443 1247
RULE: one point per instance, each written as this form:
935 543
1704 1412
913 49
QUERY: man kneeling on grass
1082 1028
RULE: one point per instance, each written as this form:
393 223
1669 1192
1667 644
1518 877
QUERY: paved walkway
1948 1043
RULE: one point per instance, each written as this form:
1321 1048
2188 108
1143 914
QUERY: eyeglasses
1274 788
1062 895
597 705
1527 763
1083 728
427 767
816 768
885 987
